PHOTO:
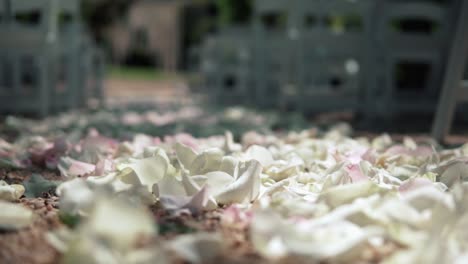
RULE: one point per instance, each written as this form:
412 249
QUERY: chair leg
453 76
73 89
44 88
99 81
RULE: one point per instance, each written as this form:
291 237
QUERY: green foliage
233 11
69 220
8 164
225 11
37 185
138 73
174 228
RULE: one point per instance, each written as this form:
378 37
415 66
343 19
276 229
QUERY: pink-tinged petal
100 142
423 151
157 141
51 161
182 138
92 147
5 153
397 150
71 167
369 156
195 204
253 138
103 166
354 171
297 219
337 156
53 155
356 156
93 132
140 142
6 149
402 150
25 163
413 184
48 154
234 215
131 119
81 168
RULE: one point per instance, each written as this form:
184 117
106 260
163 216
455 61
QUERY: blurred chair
275 49
208 64
91 72
3 11
46 59
226 66
454 90
67 89
404 48
335 48
27 56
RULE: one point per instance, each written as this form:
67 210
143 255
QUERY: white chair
333 61
275 51
398 47
234 67
26 58
67 89
91 72
43 57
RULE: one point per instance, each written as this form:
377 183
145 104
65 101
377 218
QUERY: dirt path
133 91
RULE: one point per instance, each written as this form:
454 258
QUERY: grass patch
139 73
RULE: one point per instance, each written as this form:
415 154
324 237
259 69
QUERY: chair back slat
269 6
42 48
226 62
70 6
334 44
393 15
24 6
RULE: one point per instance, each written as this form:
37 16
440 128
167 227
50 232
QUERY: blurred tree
233 11
98 14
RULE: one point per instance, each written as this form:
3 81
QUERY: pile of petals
125 122
319 199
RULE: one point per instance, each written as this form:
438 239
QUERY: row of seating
48 62
379 56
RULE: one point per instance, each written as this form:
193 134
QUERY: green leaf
174 228
8 164
37 185
70 220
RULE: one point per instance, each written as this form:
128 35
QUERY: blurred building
150 34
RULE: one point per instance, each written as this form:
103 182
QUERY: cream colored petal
341 241
245 188
75 196
185 155
341 194
454 173
119 223
427 198
197 248
149 170
266 234
209 160
12 192
229 165
218 180
260 154
169 185
15 216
